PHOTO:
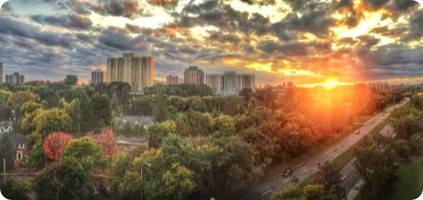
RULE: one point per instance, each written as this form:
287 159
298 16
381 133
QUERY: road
304 170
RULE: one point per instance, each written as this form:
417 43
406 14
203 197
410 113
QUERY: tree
416 142
330 179
55 143
15 189
7 152
158 131
51 120
376 163
306 192
178 182
402 147
71 80
102 111
107 143
67 179
86 152
160 107
37 158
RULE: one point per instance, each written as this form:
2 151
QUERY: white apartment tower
137 71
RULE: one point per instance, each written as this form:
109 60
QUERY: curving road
309 167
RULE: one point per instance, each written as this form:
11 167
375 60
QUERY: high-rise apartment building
97 77
215 82
1 73
137 71
172 80
194 75
15 78
230 83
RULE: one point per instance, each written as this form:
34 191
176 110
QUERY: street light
142 170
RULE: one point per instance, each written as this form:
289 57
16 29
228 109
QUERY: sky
304 41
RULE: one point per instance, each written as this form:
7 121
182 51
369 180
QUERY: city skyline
306 42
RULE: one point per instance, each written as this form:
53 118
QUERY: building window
21 146
19 155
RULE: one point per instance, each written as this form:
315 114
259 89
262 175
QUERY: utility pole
142 170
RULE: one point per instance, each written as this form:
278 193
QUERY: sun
331 83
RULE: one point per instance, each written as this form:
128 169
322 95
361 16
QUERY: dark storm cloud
294 48
67 21
120 39
416 25
225 38
213 12
21 29
126 8
375 4
391 61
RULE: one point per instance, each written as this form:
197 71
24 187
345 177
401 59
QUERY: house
144 121
6 127
20 145
132 144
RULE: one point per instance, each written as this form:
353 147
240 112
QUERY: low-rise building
20 147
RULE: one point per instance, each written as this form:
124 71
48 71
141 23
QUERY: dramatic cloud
304 40
67 21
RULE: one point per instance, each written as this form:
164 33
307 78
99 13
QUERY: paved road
309 167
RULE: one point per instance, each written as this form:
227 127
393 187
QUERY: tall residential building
172 80
15 78
1 73
215 82
97 77
194 75
230 83
137 71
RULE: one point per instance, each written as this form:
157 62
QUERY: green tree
67 179
299 192
7 152
15 189
102 111
376 163
37 158
158 131
71 80
330 179
160 107
403 149
51 120
178 182
86 152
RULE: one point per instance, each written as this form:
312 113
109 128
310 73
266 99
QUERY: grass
410 182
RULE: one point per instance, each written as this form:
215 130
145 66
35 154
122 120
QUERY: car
287 173
295 179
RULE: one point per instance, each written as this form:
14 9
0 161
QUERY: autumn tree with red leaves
107 143
55 143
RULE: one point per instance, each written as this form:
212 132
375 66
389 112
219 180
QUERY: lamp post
142 171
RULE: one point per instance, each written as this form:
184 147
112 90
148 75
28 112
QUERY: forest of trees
199 144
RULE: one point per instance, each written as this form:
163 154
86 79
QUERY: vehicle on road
287 173
295 179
